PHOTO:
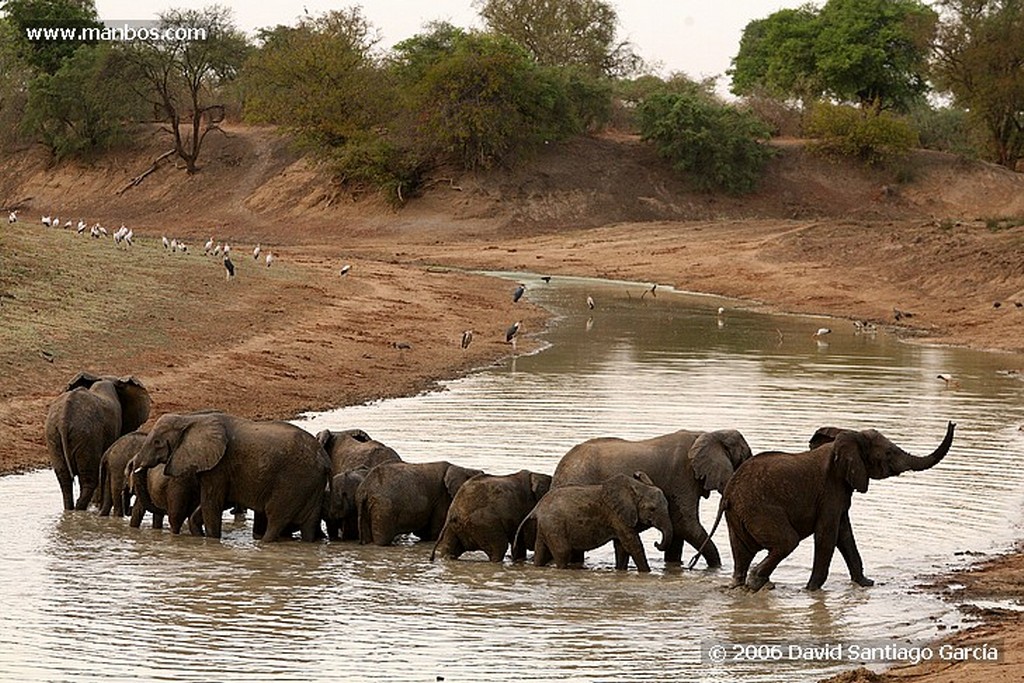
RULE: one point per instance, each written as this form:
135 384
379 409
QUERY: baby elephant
486 512
572 519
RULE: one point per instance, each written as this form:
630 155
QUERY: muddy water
85 597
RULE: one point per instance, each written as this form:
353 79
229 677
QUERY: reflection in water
86 597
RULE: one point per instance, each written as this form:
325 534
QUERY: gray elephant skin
685 465
276 469
486 512
403 497
114 472
340 513
177 498
83 422
777 499
570 520
353 448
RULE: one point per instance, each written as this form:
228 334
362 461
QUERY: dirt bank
819 237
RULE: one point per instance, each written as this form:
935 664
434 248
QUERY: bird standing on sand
256 252
167 242
229 268
270 258
518 293
467 338
208 247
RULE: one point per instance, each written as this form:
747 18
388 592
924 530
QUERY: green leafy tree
184 77
47 53
980 61
716 145
576 33
844 131
15 74
776 56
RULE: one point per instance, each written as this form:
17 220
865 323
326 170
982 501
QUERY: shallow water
86 597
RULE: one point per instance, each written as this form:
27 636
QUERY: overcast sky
698 37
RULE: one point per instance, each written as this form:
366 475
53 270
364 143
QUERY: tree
47 54
15 74
869 52
578 33
980 61
184 74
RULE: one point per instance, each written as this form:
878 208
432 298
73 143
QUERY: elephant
83 422
685 465
339 511
486 512
404 497
572 519
273 468
114 473
775 500
176 497
353 448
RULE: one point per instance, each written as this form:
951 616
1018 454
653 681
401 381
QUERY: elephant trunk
912 463
664 525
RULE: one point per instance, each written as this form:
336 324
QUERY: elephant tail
107 501
526 529
722 505
365 528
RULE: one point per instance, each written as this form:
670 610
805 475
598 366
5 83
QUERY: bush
719 146
844 131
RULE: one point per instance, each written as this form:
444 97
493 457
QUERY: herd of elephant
605 489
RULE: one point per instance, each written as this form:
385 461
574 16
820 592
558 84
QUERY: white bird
208 247
229 268
510 333
45 220
182 247
590 303
81 225
467 338
95 231
103 231
217 250
81 228
950 381
721 311
174 246
12 217
167 243
67 224
227 249
55 223
256 252
270 258
128 237
822 331
345 268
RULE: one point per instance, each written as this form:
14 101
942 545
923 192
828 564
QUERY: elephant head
540 484
186 443
131 394
455 476
863 455
353 448
715 456
639 504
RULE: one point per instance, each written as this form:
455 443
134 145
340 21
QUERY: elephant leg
577 556
692 531
784 544
621 556
541 554
212 513
195 522
158 520
848 549
632 546
350 528
310 530
742 555
274 526
259 524
88 488
496 550
138 512
826 536
67 487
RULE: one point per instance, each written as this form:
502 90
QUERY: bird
128 237
590 303
721 311
227 249
822 331
518 293
67 224
81 225
174 245
546 278
898 315
950 381
229 267
256 252
45 220
864 326
345 268
208 247
55 223
167 242
467 338
270 258
12 217
217 250
652 291
510 333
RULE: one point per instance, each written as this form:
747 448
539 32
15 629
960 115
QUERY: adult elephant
114 473
685 465
83 422
570 520
405 497
486 512
777 499
273 468
353 448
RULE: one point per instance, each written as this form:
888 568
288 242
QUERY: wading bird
950 381
229 268
167 242
45 220
518 293
467 338
590 303
822 331
510 333
208 247
344 269
256 252
270 258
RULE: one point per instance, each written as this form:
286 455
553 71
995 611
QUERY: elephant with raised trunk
570 520
775 500
276 469
353 448
83 422
486 512
405 497
685 465
114 474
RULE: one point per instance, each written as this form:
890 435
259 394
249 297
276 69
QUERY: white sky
697 37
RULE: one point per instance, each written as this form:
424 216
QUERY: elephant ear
82 379
203 442
642 477
716 455
455 477
824 435
848 460
358 435
135 403
619 495
326 438
540 484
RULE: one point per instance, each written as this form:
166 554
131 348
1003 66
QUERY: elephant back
353 448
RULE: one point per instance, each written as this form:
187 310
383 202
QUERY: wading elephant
486 512
273 468
114 473
570 520
685 465
83 422
160 495
404 497
777 499
353 448
340 512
